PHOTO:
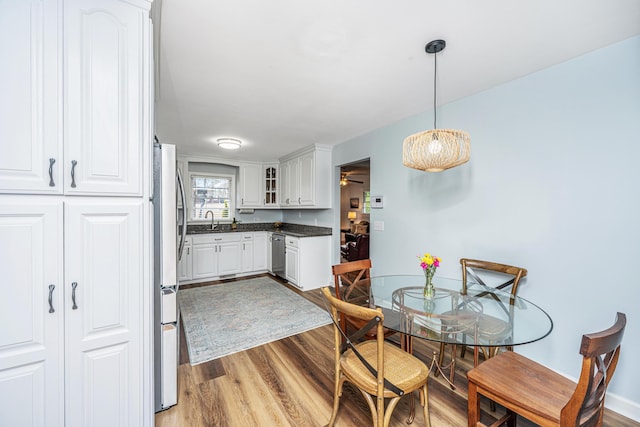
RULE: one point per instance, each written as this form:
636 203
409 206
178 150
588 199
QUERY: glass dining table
484 318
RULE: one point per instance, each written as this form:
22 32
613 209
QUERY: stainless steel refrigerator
168 237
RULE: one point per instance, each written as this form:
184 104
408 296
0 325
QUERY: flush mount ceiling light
229 143
437 149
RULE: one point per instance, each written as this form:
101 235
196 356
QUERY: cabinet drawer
216 238
291 242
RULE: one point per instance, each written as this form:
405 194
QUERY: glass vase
429 290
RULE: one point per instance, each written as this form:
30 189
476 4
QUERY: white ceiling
283 74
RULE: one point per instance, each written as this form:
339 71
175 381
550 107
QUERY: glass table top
483 317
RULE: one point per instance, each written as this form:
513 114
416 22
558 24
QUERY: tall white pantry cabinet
75 243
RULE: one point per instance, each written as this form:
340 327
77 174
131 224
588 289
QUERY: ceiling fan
344 179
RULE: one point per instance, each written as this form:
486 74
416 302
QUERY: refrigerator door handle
183 234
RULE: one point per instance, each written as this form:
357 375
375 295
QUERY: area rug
224 319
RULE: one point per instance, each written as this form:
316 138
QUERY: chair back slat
600 351
470 267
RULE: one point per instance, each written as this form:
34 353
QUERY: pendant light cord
435 90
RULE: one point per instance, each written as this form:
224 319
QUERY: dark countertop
295 230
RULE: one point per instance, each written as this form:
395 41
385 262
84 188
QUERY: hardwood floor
290 383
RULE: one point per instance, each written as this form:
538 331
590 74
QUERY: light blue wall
553 185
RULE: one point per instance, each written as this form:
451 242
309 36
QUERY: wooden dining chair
377 368
490 329
543 396
352 283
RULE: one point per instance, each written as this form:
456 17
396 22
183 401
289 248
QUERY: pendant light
437 149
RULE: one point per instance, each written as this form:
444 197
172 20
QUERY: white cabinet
31 105
291 260
258 186
260 251
308 261
106 51
250 194
205 260
72 353
247 252
216 254
185 263
271 187
75 84
269 252
32 337
103 111
306 179
104 290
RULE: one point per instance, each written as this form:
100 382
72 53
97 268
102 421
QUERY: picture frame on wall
355 202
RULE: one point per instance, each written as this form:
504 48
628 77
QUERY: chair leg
337 393
473 406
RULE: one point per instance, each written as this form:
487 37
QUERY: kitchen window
212 192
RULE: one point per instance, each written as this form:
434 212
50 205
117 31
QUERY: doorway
354 209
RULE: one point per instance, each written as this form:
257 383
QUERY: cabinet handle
51 288
242 200
73 173
51 183
74 285
298 200
188 251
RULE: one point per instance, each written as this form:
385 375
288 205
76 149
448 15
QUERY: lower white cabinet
216 254
70 349
31 312
260 251
185 263
211 256
308 261
291 264
247 252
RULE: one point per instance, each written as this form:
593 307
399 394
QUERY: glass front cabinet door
270 185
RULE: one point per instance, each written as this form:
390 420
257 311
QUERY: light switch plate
377 202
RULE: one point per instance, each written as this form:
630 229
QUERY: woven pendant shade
436 150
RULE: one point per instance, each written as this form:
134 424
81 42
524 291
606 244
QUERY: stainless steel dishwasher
277 254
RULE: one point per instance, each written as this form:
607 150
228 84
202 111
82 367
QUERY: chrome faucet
206 215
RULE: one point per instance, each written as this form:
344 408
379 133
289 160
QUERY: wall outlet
378 225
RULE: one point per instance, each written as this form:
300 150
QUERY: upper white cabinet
105 58
305 178
86 138
30 104
250 194
270 187
258 186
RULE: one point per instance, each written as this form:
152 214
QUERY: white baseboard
623 406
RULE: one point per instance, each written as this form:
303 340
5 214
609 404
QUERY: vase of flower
429 264
429 290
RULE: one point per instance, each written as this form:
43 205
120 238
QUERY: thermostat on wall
376 202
